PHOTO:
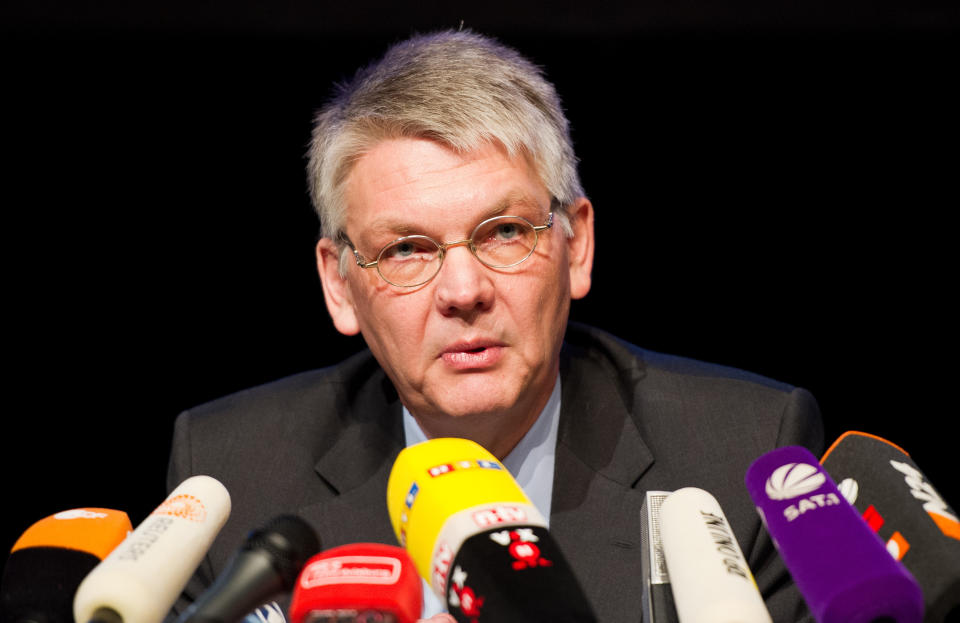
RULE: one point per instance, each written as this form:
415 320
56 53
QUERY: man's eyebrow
509 204
390 225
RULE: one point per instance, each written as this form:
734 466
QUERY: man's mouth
471 356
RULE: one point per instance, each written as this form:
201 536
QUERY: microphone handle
229 599
663 608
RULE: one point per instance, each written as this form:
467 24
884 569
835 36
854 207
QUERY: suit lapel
600 458
357 466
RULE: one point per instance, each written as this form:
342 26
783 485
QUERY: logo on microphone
351 570
793 480
934 505
411 495
499 514
184 506
521 545
897 545
464 597
448 468
79 513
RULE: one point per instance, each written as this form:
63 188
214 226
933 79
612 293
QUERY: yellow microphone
476 538
435 481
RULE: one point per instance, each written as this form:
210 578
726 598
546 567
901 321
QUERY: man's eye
409 249
506 231
404 249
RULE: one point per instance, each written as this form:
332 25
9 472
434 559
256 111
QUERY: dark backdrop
773 187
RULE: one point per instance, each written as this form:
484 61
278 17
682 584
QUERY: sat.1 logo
794 480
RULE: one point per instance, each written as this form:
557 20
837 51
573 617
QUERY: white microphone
141 579
711 580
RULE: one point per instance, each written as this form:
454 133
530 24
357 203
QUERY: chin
467 407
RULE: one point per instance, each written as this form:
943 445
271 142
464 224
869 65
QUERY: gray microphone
657 598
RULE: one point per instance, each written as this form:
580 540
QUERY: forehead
415 184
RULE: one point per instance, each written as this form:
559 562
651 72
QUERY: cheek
392 324
538 304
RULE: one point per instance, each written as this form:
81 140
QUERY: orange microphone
52 557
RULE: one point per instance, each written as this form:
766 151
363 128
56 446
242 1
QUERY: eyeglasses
411 261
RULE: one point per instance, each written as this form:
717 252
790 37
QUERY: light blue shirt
530 462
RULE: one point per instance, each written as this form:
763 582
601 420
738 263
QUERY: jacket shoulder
283 424
670 395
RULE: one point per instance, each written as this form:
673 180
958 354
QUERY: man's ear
580 247
336 290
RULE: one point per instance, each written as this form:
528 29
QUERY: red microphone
358 583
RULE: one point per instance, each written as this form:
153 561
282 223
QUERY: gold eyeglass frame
443 246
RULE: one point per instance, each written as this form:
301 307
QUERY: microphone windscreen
710 577
51 558
434 480
515 575
898 502
840 566
368 581
141 579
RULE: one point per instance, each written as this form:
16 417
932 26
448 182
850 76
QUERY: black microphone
902 507
264 567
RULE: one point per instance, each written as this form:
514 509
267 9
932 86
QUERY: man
455 234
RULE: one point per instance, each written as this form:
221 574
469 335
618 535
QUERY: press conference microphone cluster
842 569
50 560
474 536
898 503
139 581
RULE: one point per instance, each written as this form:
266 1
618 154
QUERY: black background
774 186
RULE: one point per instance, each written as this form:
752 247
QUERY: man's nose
463 283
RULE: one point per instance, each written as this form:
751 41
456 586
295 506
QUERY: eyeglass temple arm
547 226
356 254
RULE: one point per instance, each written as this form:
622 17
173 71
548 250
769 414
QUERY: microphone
359 583
51 558
265 566
710 577
840 566
657 599
141 579
902 507
475 537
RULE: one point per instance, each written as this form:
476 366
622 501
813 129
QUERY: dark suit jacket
321 444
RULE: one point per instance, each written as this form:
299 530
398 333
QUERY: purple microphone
840 566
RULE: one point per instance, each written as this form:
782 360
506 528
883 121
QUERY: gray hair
458 88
